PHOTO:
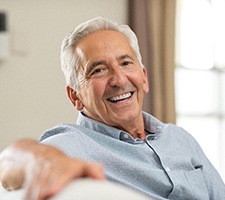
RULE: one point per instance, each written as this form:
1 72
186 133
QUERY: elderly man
106 82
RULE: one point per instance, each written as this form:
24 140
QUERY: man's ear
76 101
145 81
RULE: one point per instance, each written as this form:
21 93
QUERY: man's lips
120 97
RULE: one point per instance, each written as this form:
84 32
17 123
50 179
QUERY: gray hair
71 59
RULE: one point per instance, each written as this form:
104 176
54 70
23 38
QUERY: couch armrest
85 189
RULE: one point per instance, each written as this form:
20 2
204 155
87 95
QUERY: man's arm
43 170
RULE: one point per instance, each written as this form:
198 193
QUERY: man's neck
136 130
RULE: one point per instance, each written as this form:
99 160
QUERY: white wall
32 86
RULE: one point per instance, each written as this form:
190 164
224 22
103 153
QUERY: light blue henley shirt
169 164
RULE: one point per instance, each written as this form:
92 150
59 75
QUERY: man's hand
41 169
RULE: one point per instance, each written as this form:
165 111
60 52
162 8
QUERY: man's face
112 82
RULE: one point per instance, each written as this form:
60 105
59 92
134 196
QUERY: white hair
71 59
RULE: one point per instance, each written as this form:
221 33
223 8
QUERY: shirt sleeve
67 138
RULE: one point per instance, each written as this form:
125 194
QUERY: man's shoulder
179 135
62 128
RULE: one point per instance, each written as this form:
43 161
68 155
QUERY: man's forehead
103 37
104 43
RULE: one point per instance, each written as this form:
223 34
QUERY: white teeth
120 97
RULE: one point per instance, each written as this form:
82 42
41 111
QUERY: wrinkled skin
42 170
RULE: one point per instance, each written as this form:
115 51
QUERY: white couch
84 189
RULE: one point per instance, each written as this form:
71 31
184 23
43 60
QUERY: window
200 75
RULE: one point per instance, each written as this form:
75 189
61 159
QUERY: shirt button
125 136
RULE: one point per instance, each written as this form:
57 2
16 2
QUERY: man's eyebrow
125 57
94 64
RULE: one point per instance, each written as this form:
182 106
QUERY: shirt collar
152 124
152 127
98 126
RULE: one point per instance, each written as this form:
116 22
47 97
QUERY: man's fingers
94 170
50 177
11 172
39 180
73 169
12 179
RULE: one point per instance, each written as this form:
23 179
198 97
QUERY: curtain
153 21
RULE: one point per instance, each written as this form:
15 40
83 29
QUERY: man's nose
118 77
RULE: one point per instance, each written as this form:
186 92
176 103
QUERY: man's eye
127 63
96 71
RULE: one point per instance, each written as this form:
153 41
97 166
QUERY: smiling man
106 83
112 82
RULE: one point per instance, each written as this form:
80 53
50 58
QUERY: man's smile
120 97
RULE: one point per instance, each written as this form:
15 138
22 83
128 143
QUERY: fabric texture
169 164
